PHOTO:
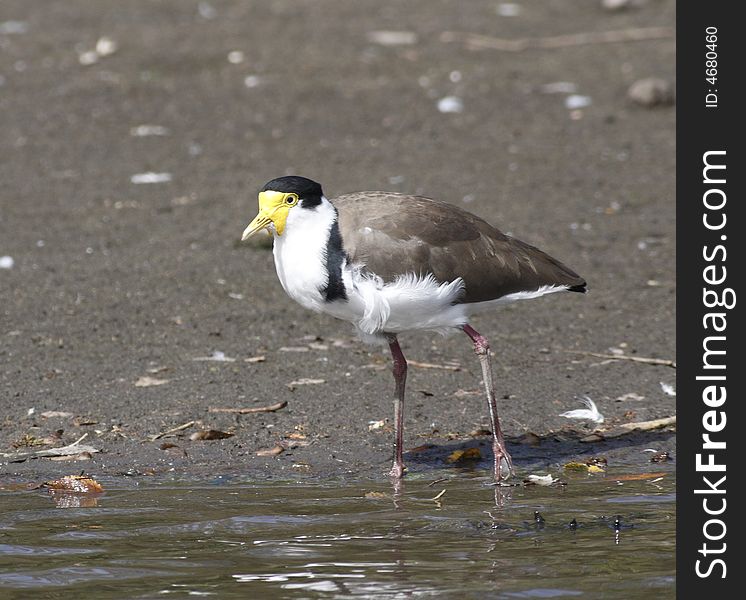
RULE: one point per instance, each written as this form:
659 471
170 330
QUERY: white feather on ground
590 413
668 389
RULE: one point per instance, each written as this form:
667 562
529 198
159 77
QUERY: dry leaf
463 455
255 359
150 381
274 451
82 421
376 495
80 456
584 467
78 484
639 476
210 434
304 381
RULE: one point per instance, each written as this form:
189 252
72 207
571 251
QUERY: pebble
451 104
652 91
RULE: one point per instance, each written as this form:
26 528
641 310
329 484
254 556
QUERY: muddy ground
107 282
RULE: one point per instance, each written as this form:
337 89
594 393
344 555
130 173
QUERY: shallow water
229 538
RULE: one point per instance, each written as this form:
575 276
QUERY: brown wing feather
393 234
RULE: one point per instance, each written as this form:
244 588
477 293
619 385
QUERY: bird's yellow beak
273 210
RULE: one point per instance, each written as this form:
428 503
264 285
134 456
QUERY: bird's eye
291 199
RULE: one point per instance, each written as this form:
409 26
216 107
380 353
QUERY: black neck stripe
335 258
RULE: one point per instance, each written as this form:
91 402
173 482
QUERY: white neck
300 253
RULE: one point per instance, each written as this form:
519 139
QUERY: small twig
246 411
644 425
432 483
170 431
640 359
424 365
438 497
475 41
76 442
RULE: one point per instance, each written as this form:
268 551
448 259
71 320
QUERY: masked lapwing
391 263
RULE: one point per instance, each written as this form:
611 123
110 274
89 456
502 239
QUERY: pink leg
503 462
400 377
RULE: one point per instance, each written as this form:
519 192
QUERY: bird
392 263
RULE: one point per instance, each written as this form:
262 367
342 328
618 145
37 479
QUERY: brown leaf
274 451
78 484
82 421
422 448
80 456
210 434
480 432
464 455
255 359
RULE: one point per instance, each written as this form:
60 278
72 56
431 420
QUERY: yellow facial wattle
273 210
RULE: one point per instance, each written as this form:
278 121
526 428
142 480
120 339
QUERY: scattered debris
392 38
544 480
586 467
618 5
638 476
651 92
640 359
304 381
528 438
508 9
630 396
146 381
256 409
76 484
274 451
151 177
255 359
668 389
13 27
59 414
236 57
450 366
451 104
209 434
475 41
558 87
173 450
105 46
377 425
575 101
71 449
216 356
660 457
640 426
590 413
172 431
464 455
148 130
438 496
293 349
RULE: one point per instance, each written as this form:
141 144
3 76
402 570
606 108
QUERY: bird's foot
397 471
503 463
